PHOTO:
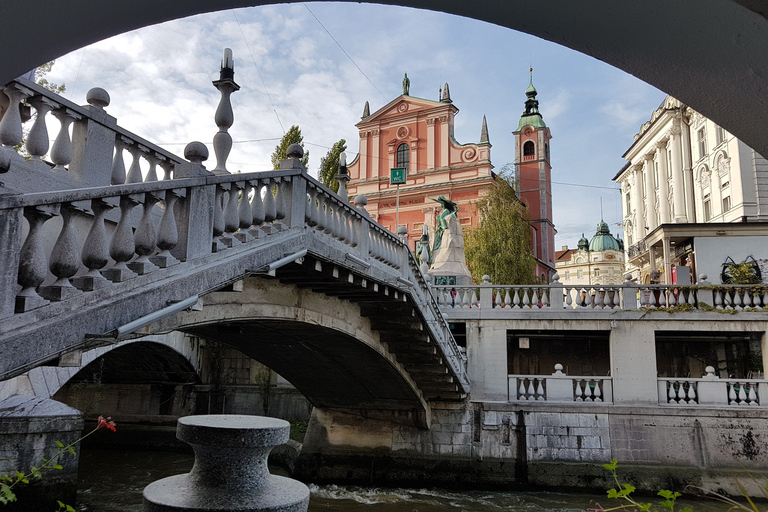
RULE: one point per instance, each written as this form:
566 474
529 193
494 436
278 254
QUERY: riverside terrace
96 253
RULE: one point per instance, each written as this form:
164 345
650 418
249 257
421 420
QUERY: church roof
604 241
531 116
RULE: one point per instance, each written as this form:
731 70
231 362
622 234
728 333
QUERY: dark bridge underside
333 370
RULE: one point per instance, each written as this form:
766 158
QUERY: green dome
583 243
604 241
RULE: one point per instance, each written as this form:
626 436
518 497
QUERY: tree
500 246
292 136
329 166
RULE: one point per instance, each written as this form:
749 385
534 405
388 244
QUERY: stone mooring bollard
230 471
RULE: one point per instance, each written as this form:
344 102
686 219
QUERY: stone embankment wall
503 445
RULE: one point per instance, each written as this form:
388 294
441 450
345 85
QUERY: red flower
106 423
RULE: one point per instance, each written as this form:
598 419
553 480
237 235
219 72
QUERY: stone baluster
37 139
270 209
354 231
597 395
123 246
33 262
168 233
231 217
311 211
167 167
95 253
545 297
152 172
218 218
118 163
281 209
64 261
521 389
61 153
11 132
134 172
257 209
245 213
752 394
145 236
569 298
599 299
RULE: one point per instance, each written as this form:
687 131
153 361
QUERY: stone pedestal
230 471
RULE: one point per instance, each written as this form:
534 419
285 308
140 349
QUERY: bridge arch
323 345
714 63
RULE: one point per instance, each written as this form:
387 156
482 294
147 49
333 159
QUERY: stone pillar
667 248
690 208
487 361
363 157
375 163
430 143
650 193
637 200
678 184
11 227
230 471
633 363
93 142
661 158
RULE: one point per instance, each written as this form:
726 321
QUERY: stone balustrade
89 147
627 297
560 387
710 390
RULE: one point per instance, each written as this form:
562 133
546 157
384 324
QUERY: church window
529 148
702 137
546 151
403 156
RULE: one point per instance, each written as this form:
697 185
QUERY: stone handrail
628 297
92 156
560 387
710 390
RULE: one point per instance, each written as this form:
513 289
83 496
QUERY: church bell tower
534 181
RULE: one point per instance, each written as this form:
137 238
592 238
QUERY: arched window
529 148
403 156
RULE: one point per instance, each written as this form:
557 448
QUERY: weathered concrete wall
29 429
538 445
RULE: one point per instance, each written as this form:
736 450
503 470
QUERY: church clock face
610 256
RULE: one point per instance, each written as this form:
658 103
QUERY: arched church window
403 156
529 148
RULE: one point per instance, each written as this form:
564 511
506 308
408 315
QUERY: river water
113 480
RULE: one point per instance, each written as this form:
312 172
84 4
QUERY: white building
599 261
688 188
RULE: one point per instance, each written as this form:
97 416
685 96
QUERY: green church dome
604 241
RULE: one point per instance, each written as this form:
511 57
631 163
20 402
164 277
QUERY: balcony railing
711 391
627 297
560 387
637 249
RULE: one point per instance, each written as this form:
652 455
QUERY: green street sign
397 176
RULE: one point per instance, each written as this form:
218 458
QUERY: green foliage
298 430
292 136
329 165
743 273
40 79
500 246
623 492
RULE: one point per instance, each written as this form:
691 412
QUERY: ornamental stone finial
97 97
196 152
225 117
295 151
366 111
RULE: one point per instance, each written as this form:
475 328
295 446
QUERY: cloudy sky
316 65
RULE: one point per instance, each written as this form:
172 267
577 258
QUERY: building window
702 136
719 134
580 273
726 203
546 151
567 275
597 272
529 148
403 156
707 208
629 203
724 185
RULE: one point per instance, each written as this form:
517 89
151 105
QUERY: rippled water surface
113 480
